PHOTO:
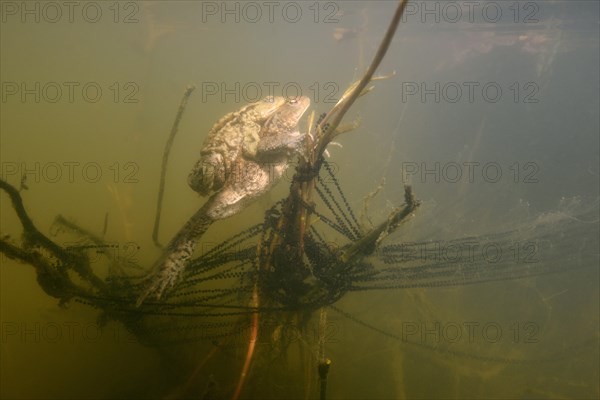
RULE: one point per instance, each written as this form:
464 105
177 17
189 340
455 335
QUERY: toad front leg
279 139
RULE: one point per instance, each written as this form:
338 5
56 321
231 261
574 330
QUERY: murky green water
492 116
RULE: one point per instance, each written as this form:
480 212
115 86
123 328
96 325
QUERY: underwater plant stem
323 369
301 188
322 327
182 391
358 89
251 345
306 194
165 160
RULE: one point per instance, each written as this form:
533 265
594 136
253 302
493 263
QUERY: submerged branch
51 261
31 234
367 244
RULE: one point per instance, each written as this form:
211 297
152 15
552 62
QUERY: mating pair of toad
245 153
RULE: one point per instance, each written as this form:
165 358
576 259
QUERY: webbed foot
159 282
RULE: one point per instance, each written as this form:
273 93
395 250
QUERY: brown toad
225 141
250 170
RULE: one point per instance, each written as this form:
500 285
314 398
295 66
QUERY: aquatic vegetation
275 277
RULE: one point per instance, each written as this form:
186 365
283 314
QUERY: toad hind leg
176 256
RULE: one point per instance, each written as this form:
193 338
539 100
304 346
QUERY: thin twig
251 345
165 160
